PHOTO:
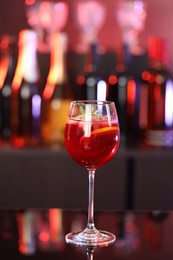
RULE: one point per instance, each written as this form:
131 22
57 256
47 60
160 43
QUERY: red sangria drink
92 137
92 144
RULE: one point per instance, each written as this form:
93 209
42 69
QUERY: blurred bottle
8 50
26 100
117 91
138 64
124 82
90 82
46 18
56 97
124 89
157 109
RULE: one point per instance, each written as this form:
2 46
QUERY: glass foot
99 239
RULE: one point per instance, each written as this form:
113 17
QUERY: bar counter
135 179
39 234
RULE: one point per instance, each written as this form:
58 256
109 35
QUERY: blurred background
159 17
52 52
64 43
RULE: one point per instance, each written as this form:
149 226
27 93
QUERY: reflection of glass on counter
26 239
140 235
129 239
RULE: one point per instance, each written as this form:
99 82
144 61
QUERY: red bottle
158 95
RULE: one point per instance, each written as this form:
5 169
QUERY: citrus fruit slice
104 129
99 137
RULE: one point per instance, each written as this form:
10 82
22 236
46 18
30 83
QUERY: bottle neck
92 60
7 62
30 66
27 67
123 60
57 71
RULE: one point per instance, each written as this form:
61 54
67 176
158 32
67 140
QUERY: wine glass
89 17
92 138
46 18
131 16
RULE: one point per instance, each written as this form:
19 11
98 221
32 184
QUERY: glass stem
90 223
90 252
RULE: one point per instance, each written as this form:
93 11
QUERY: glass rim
92 101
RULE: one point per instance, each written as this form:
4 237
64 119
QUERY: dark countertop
39 234
136 178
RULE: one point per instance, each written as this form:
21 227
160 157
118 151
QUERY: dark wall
12 16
